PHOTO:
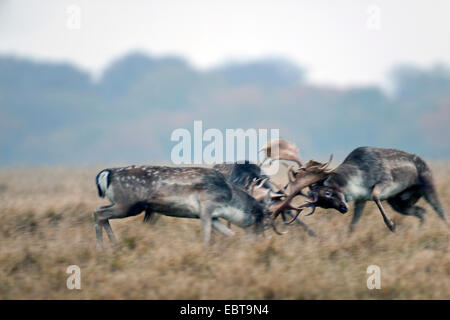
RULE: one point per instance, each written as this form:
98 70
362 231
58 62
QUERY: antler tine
325 165
310 173
318 167
263 181
258 191
291 174
312 211
272 223
300 209
247 183
294 218
286 151
280 188
268 151
252 185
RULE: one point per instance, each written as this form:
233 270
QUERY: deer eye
327 193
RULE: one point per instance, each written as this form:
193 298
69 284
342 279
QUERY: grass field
47 225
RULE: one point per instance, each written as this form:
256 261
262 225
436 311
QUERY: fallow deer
186 192
238 174
379 174
241 173
369 173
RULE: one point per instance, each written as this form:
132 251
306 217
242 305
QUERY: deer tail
431 195
103 181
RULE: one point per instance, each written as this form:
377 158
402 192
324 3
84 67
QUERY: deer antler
310 173
299 177
258 191
280 149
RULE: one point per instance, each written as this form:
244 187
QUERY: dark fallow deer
376 174
241 174
370 174
184 192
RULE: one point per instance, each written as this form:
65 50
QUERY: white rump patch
103 184
103 180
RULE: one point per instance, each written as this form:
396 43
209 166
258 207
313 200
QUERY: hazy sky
342 42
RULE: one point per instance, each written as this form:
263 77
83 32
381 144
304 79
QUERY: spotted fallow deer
368 174
185 192
238 174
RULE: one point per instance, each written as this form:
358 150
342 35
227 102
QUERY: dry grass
47 225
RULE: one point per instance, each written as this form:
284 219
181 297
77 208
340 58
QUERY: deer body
187 192
366 167
237 174
379 174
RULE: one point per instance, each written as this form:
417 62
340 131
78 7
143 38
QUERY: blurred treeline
56 114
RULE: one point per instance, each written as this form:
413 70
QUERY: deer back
150 183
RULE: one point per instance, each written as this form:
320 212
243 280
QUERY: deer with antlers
238 174
366 174
299 178
247 174
186 192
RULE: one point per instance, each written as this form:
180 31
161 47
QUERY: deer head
328 197
300 177
305 176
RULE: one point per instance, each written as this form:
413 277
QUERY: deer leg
430 194
404 204
376 197
147 216
206 226
359 208
101 217
150 217
416 211
419 212
219 226
206 210
99 225
99 235
109 232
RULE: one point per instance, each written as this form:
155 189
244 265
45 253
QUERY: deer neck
350 182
